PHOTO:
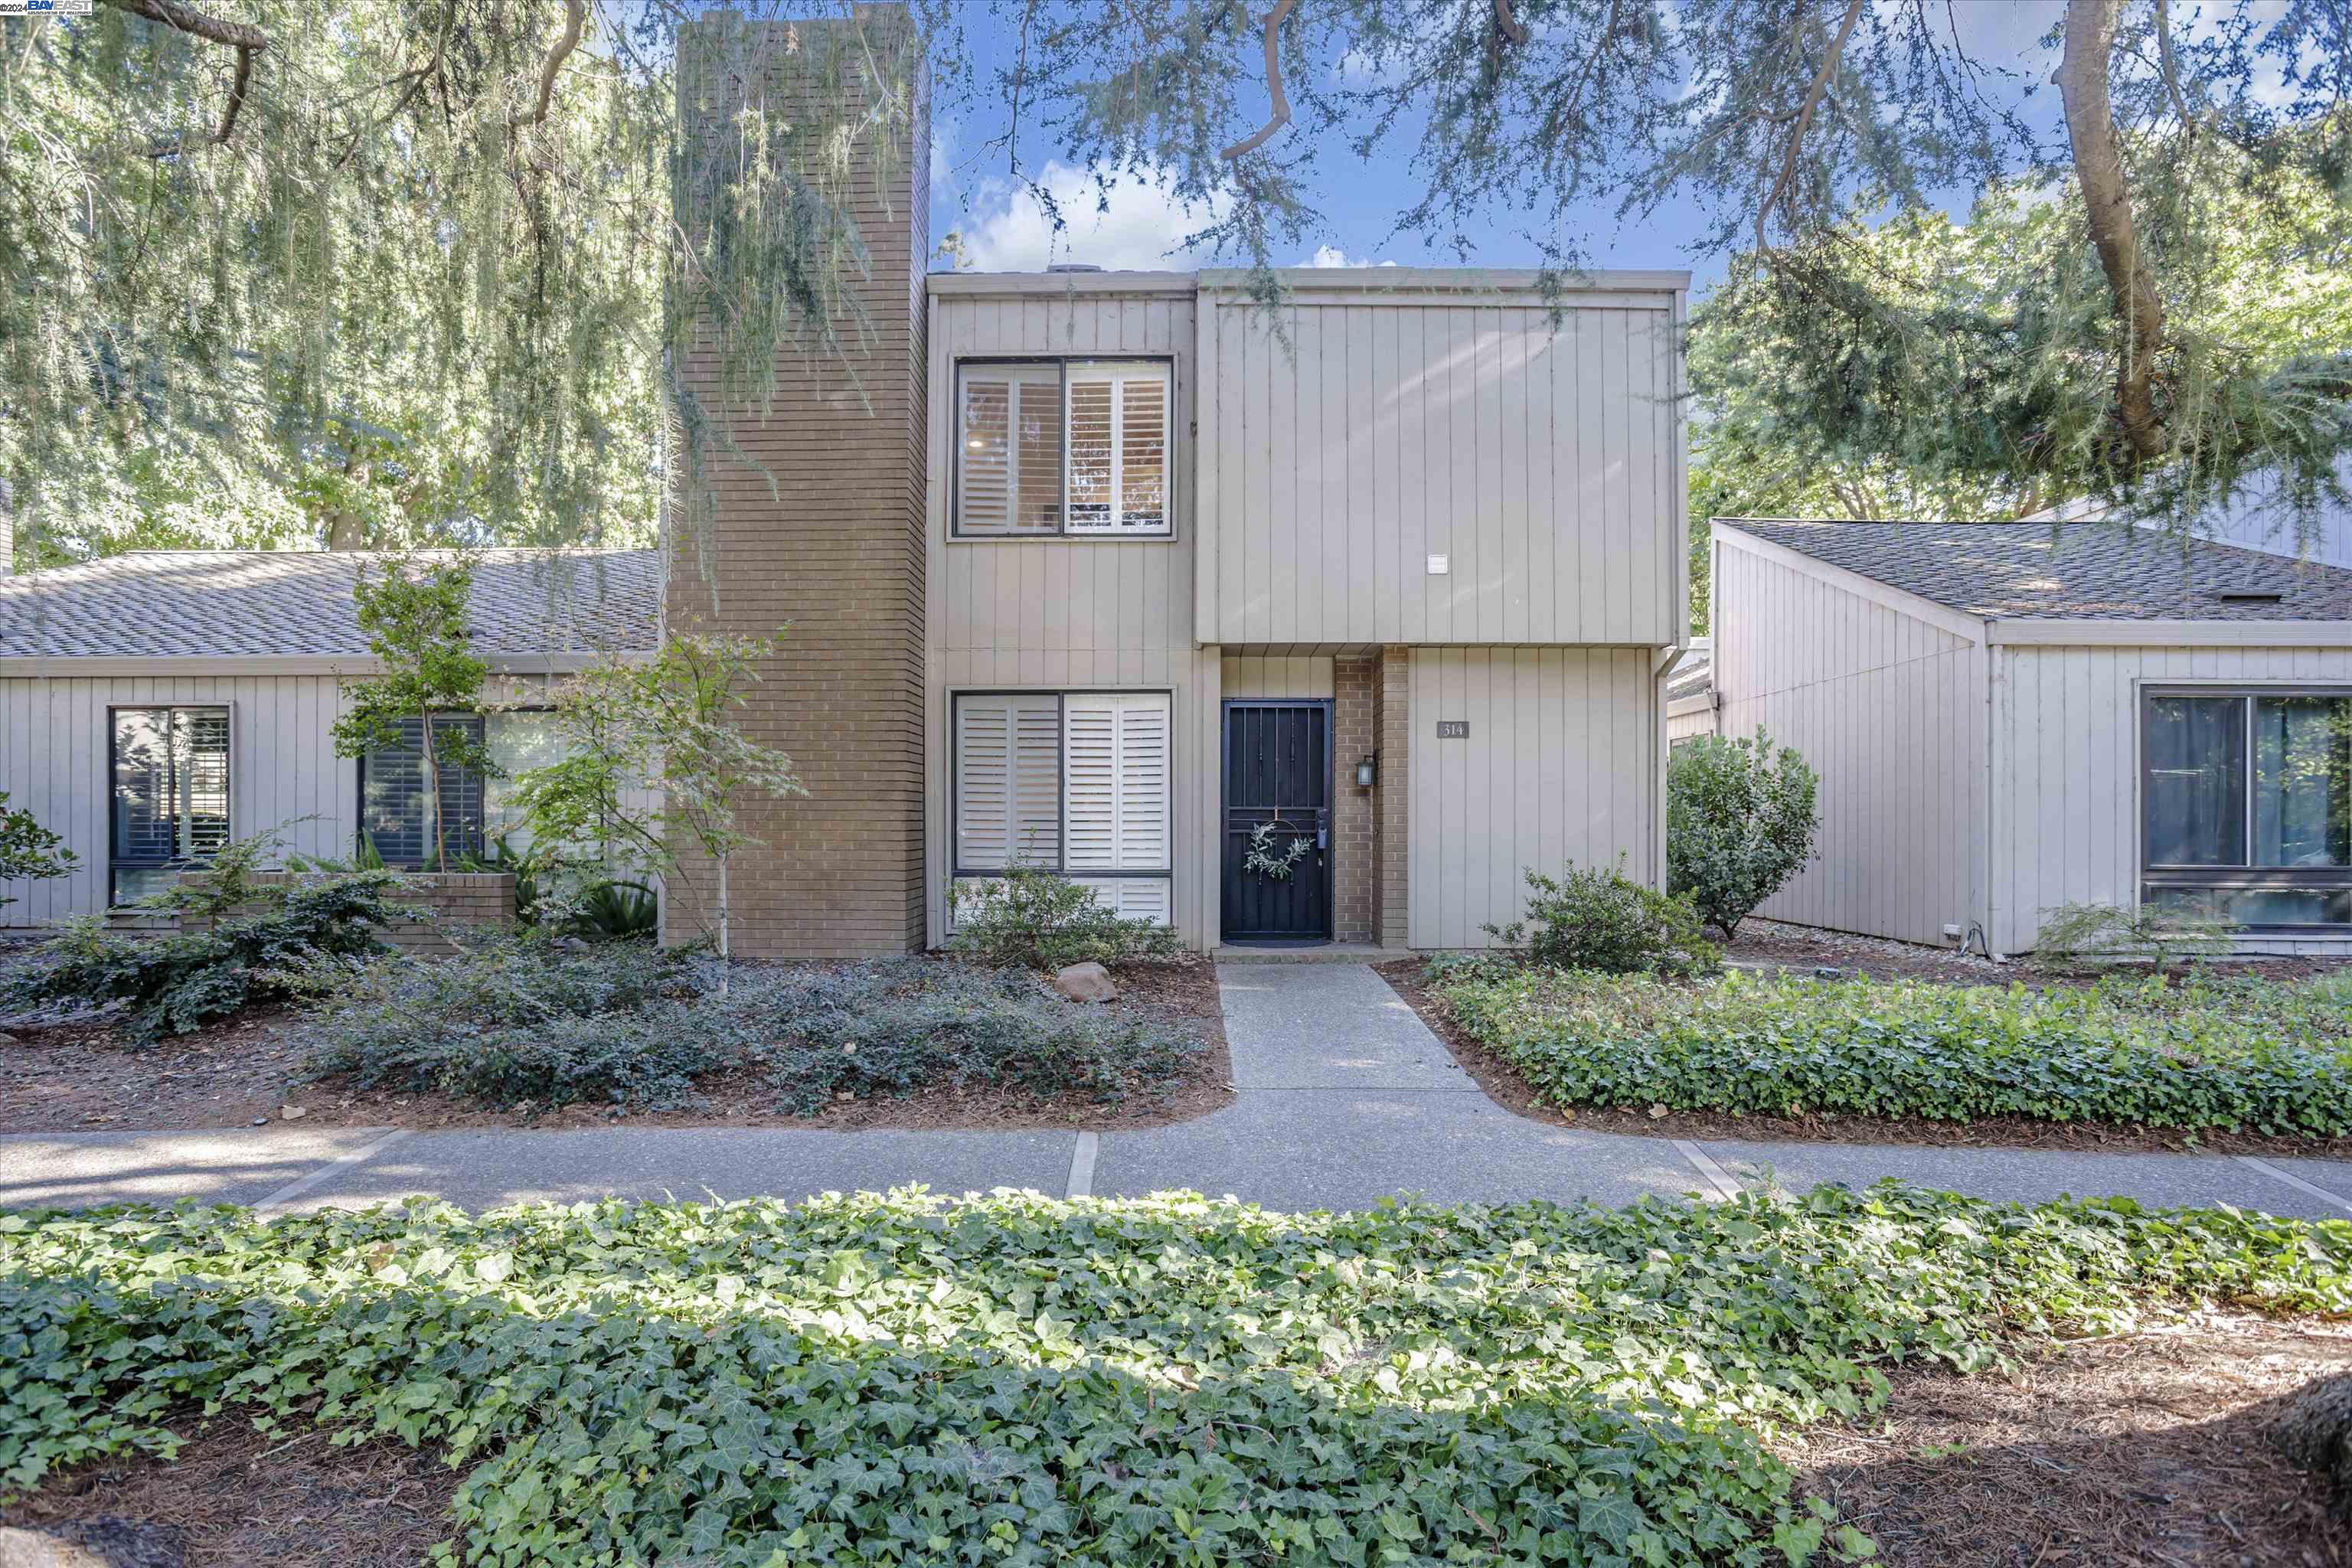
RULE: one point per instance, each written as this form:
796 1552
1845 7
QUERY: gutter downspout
1662 670
1991 658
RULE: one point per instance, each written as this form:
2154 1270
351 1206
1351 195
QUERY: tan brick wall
1394 724
453 898
1355 812
827 542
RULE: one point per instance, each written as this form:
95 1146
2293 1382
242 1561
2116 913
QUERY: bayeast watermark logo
47 8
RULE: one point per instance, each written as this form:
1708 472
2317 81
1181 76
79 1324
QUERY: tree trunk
2107 201
725 955
433 794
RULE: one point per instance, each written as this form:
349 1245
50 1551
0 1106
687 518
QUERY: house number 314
1453 729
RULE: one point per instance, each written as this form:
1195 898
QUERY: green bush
2242 1055
1015 1380
1741 819
522 1017
1602 921
1044 921
2081 937
171 984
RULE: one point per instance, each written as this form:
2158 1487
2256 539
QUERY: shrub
28 851
173 984
2238 1055
2084 936
1044 921
1740 821
519 1017
1013 1379
512 1016
1601 920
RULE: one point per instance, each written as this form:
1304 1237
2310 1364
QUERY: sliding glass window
2246 805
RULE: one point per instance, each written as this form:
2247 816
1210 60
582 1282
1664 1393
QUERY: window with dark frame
391 796
168 771
2246 805
1063 447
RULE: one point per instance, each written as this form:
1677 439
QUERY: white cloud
1143 227
1332 256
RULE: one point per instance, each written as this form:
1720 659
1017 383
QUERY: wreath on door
1262 858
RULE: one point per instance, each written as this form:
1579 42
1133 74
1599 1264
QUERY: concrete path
1344 1096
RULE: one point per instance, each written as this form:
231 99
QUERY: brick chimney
828 541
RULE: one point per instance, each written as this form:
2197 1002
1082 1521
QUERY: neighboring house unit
1690 693
2010 716
155 705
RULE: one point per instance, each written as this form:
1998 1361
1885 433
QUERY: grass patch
518 1018
2239 1055
1018 1380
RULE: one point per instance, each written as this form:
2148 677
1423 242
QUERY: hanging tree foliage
384 273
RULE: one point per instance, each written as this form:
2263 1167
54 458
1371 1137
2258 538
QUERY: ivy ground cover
2241 1056
1016 1380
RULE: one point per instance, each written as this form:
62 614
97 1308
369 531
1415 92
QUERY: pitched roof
214 604
1695 675
2074 571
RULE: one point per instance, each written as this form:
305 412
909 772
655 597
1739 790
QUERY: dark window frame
1061 696
116 862
1061 529
2244 876
458 849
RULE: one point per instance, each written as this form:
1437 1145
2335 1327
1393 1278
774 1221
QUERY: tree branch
236 95
2082 81
2171 66
1281 114
1813 96
1507 25
575 20
195 24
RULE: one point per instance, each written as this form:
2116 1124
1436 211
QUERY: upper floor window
1071 447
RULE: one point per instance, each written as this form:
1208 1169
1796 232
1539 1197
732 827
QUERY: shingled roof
2076 571
216 604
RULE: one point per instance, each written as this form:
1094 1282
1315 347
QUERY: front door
1277 868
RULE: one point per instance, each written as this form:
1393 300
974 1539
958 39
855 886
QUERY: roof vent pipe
1072 267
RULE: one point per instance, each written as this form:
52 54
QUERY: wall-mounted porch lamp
1367 772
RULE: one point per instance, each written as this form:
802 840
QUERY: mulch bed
2153 1452
84 1077
236 1497
1805 949
1507 1087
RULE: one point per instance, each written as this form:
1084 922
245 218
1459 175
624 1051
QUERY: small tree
665 725
1741 819
28 851
414 619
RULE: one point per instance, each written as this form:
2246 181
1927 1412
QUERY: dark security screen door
1278 772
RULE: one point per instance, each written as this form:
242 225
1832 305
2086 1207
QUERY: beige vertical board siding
1886 706
1559 768
1542 462
2066 743
1072 614
282 768
1695 717
1267 676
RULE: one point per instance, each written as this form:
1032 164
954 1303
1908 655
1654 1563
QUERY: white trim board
1959 623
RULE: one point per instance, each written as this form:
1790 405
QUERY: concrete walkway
1344 1096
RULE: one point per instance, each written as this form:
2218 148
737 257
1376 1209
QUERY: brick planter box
456 898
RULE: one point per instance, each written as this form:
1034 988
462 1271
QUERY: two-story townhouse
1125 572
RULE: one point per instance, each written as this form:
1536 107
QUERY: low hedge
2238 1056
1015 1380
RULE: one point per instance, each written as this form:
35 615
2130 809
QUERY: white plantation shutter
1008 782
1115 782
1008 449
1136 897
1118 429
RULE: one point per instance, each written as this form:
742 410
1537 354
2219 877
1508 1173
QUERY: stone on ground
1085 983
103 1542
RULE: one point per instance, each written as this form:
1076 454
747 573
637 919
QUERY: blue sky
1003 228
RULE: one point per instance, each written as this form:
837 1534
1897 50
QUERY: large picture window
1069 781
170 795
1071 447
2246 805
474 809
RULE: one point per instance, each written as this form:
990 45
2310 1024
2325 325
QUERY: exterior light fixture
1367 772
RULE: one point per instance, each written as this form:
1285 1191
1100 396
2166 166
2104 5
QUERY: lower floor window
394 813
1070 782
2246 805
169 772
